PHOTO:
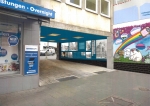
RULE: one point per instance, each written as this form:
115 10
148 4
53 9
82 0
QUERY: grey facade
29 36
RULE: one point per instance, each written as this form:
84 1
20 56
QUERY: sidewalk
123 88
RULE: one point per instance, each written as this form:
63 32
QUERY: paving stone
85 91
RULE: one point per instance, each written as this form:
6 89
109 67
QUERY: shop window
91 5
105 8
76 3
9 48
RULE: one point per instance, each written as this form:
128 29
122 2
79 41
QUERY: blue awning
20 6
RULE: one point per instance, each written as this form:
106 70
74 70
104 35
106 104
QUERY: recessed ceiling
49 34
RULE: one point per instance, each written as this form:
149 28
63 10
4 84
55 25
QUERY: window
91 5
105 8
76 3
9 48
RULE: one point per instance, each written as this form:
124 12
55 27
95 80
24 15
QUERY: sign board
27 8
13 40
31 60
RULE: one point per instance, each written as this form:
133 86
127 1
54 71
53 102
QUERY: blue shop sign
13 40
27 8
14 56
3 52
31 60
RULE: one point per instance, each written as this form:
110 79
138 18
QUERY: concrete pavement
131 89
52 70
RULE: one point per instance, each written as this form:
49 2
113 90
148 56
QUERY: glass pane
9 48
104 7
91 4
77 2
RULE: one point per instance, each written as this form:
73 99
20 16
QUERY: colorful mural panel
132 44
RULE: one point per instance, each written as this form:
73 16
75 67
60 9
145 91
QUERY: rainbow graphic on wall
137 35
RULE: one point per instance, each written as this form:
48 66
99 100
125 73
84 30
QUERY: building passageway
52 71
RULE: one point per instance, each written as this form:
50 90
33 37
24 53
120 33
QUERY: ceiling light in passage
78 37
52 40
42 37
54 34
63 39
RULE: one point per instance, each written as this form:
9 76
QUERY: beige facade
78 19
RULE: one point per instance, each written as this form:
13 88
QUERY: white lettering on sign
31 48
4 34
26 7
40 11
12 4
13 39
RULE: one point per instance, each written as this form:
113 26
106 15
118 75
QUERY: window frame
20 50
90 9
74 5
108 16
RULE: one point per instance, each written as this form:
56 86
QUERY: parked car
48 52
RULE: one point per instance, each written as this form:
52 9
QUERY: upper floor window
76 3
105 8
91 5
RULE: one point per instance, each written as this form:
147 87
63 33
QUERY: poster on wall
101 49
73 46
64 46
82 53
31 60
9 53
88 45
70 55
88 55
93 47
132 44
64 54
